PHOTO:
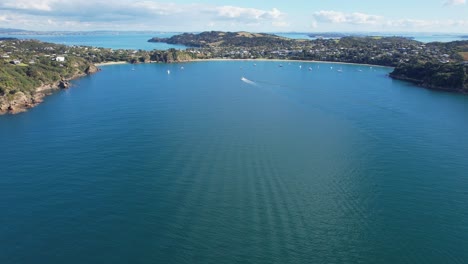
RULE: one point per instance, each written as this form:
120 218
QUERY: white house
60 58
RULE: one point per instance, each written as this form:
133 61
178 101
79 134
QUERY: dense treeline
25 78
171 55
450 76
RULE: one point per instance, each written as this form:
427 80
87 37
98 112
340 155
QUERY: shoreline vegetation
31 70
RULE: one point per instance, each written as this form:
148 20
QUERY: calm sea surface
199 166
113 41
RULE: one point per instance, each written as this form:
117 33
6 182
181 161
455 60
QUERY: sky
444 16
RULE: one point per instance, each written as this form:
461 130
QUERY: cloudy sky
249 15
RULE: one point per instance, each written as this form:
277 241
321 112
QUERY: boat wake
262 83
248 81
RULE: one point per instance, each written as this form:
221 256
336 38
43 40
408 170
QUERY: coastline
421 84
290 60
23 103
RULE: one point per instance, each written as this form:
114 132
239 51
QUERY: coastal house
15 62
60 58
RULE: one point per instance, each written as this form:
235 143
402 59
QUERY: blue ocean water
106 40
231 162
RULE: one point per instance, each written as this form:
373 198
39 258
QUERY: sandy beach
110 63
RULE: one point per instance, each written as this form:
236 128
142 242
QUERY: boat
168 72
310 68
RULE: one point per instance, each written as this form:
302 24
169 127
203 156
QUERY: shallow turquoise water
288 166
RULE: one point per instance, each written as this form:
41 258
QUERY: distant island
333 35
31 69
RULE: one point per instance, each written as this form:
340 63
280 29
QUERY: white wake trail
248 81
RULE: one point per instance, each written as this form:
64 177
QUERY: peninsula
432 65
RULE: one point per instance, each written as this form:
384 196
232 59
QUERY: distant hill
331 35
227 39
10 30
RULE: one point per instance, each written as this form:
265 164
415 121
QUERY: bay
236 162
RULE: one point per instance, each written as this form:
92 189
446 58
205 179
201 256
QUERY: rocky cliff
13 103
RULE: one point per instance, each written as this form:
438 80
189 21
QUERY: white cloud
454 2
248 15
146 14
377 22
280 24
348 18
39 5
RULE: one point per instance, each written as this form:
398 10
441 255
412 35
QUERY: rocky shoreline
21 102
422 84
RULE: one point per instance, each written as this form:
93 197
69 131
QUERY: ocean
236 162
116 40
